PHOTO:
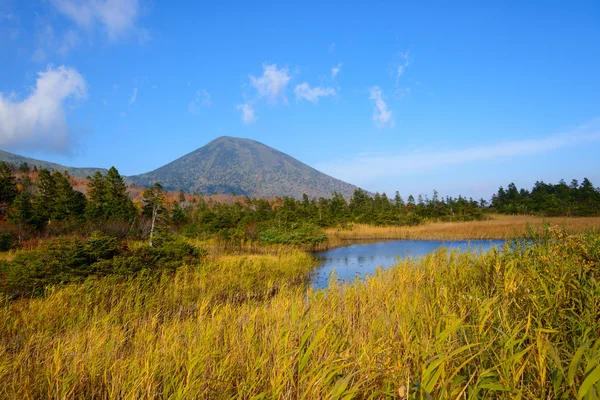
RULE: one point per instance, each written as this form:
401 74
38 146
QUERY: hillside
245 167
17 160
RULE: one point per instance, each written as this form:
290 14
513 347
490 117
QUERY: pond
361 259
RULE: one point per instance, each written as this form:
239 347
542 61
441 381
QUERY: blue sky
461 98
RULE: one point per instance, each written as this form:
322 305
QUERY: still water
359 260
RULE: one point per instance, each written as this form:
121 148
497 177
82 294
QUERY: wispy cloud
365 168
49 42
336 70
39 121
248 116
332 47
401 64
38 55
202 100
272 83
117 17
382 116
133 96
304 91
69 41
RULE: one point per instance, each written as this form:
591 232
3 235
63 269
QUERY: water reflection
358 260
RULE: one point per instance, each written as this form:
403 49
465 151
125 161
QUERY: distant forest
40 202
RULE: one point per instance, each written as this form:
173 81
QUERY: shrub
6 241
72 260
298 234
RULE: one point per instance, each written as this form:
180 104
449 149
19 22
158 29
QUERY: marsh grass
495 227
518 323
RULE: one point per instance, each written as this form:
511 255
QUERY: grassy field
520 323
496 227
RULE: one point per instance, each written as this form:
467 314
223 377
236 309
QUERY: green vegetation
45 204
299 234
517 323
550 200
72 260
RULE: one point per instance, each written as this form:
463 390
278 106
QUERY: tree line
34 202
574 199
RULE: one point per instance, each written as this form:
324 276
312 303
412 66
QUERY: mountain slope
245 167
17 160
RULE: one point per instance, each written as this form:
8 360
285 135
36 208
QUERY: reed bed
518 323
495 227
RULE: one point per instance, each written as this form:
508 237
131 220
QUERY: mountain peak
226 165
243 166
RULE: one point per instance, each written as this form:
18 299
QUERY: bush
9 236
6 241
72 260
298 234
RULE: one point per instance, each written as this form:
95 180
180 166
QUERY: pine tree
68 202
24 168
178 214
8 188
21 212
97 189
398 200
108 197
44 202
120 204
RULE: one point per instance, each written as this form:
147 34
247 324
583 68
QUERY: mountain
17 160
244 167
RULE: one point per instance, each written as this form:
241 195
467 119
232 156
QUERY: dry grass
518 324
497 227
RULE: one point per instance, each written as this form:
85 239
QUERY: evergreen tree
21 212
97 197
24 168
44 202
8 188
398 200
108 197
68 202
178 214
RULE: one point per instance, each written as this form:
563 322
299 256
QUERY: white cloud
336 70
400 66
381 115
39 121
117 17
272 83
304 91
332 47
248 116
366 168
133 96
115 86
202 100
